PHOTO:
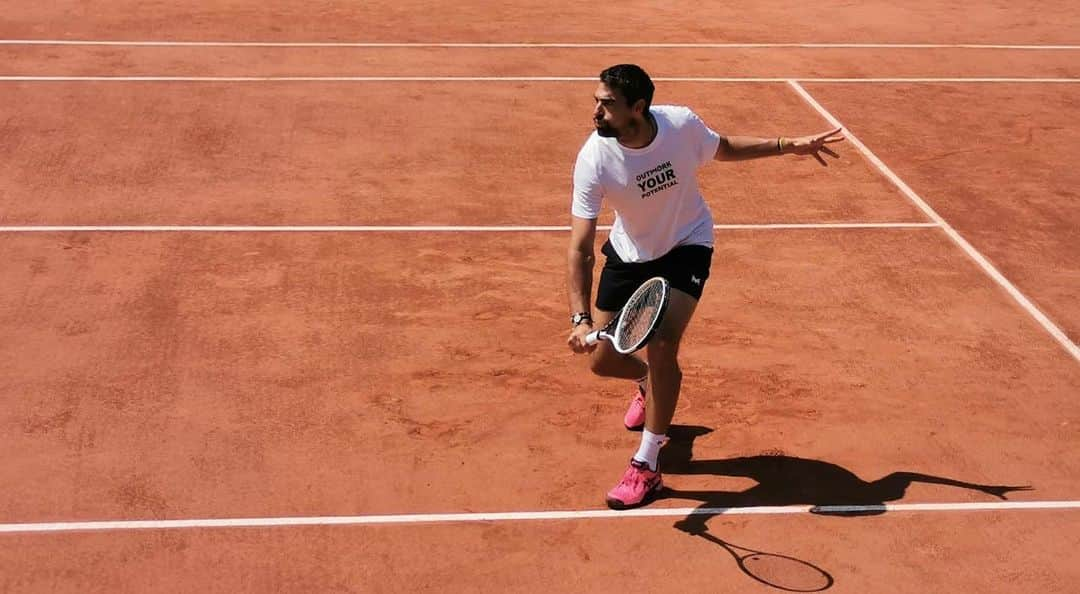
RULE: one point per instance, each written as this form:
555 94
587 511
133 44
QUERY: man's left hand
814 145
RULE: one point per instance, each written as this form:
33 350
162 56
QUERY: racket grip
592 337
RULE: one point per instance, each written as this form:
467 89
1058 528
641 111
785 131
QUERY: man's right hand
577 339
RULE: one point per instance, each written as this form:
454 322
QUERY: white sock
643 383
649 451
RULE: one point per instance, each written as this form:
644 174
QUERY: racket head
785 573
641 316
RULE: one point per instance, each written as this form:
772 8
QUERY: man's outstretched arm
742 148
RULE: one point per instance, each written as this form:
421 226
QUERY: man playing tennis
643 159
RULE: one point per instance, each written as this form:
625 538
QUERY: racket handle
592 337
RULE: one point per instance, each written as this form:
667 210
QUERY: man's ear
639 107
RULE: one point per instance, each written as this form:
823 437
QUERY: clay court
284 302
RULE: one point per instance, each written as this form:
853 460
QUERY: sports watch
580 318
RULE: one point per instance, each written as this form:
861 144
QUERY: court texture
283 304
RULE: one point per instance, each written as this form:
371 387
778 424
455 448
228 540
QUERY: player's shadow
787 480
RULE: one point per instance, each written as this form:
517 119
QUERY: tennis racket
638 319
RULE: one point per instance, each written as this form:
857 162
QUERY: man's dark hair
630 81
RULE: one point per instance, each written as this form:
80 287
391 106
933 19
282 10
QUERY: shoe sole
649 498
635 427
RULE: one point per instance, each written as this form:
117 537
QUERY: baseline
536 515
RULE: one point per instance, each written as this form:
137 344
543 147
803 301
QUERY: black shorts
686 267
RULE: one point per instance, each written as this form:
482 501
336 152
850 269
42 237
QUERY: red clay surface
518 62
237 375
996 162
634 21
217 375
273 374
459 153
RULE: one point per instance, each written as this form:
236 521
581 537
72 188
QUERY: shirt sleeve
705 140
588 192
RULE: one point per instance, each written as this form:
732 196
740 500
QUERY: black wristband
580 318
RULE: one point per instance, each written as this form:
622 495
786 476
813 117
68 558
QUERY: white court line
979 259
910 79
39 527
409 228
524 45
706 79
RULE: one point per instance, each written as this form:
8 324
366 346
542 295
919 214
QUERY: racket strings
640 315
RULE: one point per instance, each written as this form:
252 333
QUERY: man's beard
606 130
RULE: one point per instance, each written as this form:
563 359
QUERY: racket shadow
782 572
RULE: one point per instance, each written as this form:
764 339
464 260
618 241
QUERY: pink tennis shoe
635 414
638 486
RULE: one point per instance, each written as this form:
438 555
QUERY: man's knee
663 349
663 357
602 362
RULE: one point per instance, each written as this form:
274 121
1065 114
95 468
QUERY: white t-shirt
653 190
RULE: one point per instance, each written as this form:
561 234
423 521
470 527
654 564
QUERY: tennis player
643 159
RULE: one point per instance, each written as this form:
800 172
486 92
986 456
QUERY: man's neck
641 134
